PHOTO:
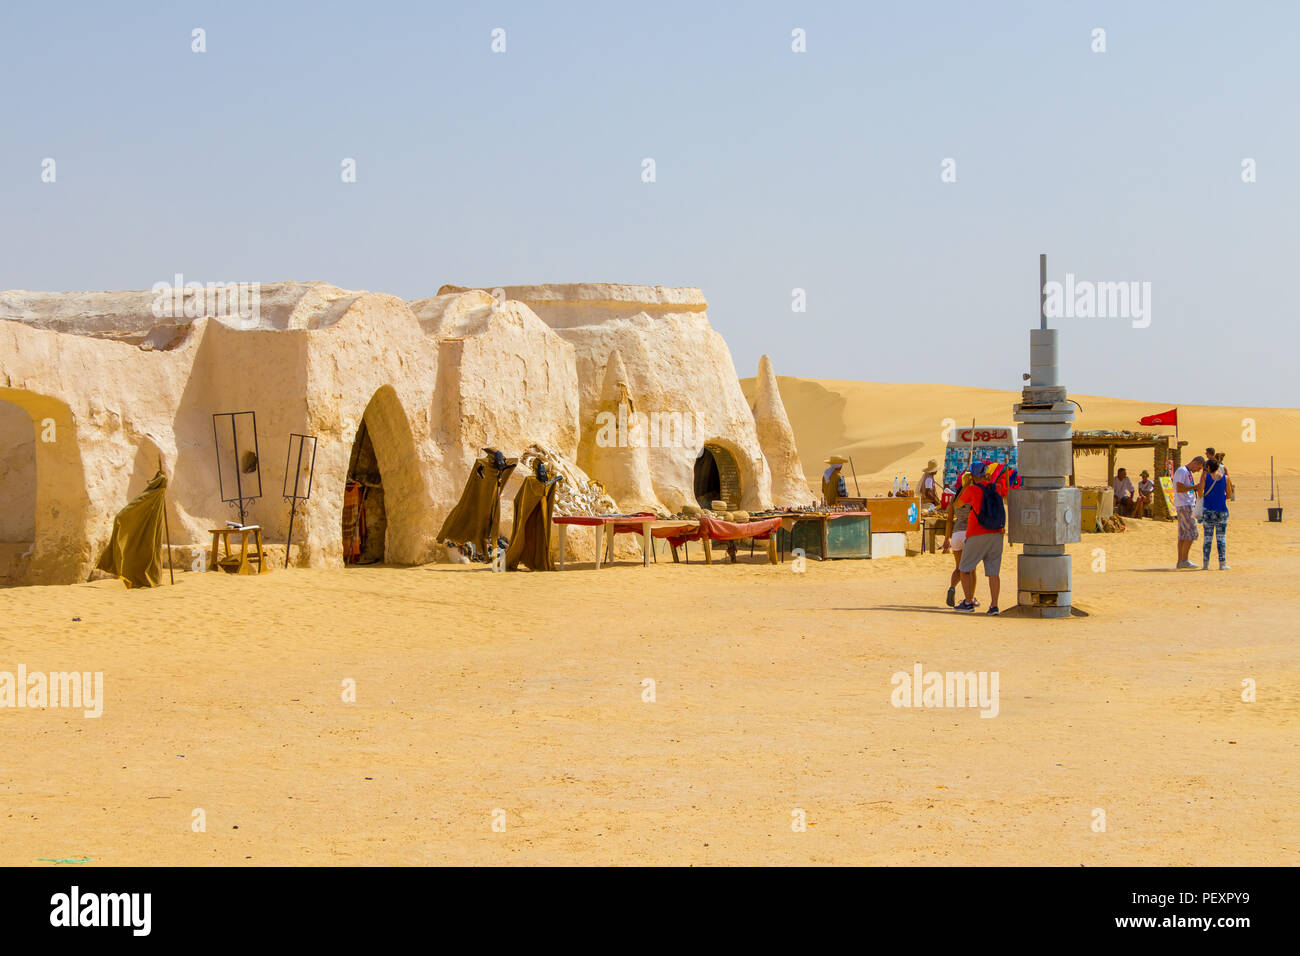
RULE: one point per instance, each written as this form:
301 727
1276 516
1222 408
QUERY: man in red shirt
982 544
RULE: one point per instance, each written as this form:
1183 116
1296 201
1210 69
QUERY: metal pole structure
297 494
856 490
1042 290
1043 513
293 504
239 484
167 530
257 457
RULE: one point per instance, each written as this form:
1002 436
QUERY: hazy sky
775 170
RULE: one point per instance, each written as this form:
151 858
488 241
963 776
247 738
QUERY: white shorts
958 539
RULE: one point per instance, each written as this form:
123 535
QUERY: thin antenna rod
1042 290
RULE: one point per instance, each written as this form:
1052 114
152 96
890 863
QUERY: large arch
59 551
384 435
718 474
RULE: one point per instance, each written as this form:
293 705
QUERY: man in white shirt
1123 493
1184 501
929 489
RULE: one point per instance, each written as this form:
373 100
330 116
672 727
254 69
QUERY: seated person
1124 494
1145 494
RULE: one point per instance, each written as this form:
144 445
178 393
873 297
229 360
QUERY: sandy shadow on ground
1020 612
978 612
918 608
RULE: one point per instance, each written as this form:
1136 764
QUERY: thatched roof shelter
1109 443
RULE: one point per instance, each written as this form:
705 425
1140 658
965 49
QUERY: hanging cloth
530 539
134 547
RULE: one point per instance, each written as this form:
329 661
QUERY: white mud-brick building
97 388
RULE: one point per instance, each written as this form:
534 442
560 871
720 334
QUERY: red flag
1164 418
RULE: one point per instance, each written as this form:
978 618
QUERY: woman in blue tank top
1215 488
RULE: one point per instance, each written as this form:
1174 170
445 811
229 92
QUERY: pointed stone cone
776 438
620 460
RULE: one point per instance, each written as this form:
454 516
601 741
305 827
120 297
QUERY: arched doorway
384 475
365 519
65 540
17 493
717 477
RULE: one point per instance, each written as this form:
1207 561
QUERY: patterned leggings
1212 521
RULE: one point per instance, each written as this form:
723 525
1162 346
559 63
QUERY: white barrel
1043 365
1043 573
1044 459
1044 431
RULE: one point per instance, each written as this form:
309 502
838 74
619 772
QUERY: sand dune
893 429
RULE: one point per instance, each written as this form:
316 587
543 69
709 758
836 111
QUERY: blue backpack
992 515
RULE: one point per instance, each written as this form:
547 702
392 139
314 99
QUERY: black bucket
1274 514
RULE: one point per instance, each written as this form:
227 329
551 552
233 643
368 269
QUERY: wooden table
931 527
649 527
608 525
708 548
890 515
674 524
223 534
726 531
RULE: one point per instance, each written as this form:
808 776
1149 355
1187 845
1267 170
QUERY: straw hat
931 468
837 460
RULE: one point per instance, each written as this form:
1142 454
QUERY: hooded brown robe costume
476 519
530 540
135 546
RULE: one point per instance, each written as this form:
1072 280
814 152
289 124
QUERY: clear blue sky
775 170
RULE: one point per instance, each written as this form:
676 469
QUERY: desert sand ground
524 693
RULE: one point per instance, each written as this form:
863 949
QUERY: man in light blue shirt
1184 502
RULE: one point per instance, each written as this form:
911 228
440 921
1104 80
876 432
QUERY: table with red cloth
610 525
677 531
708 529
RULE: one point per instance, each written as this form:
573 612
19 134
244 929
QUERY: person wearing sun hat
834 486
1146 490
929 487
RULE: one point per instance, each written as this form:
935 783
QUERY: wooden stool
223 534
